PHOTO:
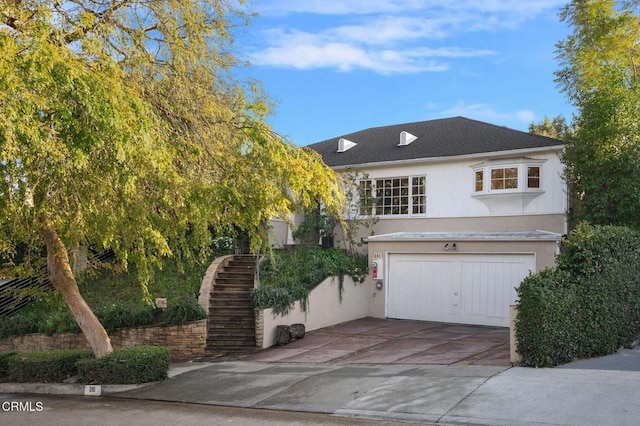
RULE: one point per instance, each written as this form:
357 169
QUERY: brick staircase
232 327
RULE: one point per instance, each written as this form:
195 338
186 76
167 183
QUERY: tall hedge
588 305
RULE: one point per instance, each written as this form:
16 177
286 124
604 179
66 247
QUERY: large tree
555 127
600 75
123 127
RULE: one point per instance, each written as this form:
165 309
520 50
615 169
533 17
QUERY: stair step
238 335
246 321
233 282
239 269
229 330
230 296
236 309
231 316
231 312
251 342
232 286
224 301
248 341
244 302
240 272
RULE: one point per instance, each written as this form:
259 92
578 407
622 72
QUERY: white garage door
461 288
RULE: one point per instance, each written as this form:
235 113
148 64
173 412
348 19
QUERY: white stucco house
466 210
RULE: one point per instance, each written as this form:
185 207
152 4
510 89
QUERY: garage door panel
423 296
465 288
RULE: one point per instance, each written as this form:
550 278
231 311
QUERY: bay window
507 176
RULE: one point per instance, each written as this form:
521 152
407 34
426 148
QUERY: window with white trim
394 196
533 177
504 178
508 176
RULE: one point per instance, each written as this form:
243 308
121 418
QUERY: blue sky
338 66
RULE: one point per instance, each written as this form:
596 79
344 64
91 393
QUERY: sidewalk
439 394
354 370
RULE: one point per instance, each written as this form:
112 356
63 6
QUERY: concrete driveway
388 341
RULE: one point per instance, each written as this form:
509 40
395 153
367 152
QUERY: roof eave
511 152
538 235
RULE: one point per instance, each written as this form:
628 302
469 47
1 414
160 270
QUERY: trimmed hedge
138 364
45 366
588 305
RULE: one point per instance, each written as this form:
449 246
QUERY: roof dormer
345 145
406 138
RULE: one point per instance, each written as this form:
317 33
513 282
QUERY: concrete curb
69 389
175 369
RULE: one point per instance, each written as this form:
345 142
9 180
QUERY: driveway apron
389 341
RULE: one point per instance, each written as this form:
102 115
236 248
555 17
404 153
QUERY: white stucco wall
325 308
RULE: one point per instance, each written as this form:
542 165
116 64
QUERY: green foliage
556 127
138 364
599 75
18 325
123 127
60 322
289 275
280 299
183 310
588 305
4 362
119 316
545 328
49 316
45 366
360 203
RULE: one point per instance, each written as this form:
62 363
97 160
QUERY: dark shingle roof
436 138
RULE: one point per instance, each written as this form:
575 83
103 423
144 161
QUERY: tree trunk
64 281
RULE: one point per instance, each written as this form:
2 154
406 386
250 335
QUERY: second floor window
504 178
495 177
393 196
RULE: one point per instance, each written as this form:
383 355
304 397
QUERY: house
466 210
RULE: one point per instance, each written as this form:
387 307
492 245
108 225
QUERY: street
50 410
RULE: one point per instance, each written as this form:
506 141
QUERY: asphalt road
50 410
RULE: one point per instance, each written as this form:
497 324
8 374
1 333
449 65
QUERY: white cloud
485 112
337 7
346 57
385 36
349 7
348 49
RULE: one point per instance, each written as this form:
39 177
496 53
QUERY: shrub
589 305
546 331
280 299
19 325
289 275
45 366
4 362
60 322
138 364
118 316
183 310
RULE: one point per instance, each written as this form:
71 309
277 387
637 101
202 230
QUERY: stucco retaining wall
185 341
325 309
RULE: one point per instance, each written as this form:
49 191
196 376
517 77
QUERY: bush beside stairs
232 327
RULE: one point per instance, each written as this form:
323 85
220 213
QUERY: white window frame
378 209
521 165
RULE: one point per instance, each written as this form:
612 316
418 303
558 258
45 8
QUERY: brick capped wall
185 341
